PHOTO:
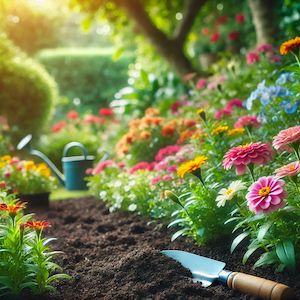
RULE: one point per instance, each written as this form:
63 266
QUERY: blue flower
284 77
265 98
290 108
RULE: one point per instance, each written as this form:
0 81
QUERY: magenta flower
121 165
265 48
290 170
288 137
167 177
266 195
169 150
139 166
275 59
162 165
151 166
101 166
243 155
171 169
252 58
215 37
240 18
247 121
201 83
155 180
235 102
225 111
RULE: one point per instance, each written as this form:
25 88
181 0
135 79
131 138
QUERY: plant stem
250 168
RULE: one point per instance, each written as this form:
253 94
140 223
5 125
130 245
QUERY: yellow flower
43 169
289 45
219 129
199 111
29 165
2 165
191 165
236 131
6 158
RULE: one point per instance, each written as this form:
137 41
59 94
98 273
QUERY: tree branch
190 13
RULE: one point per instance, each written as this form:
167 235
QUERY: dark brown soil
118 256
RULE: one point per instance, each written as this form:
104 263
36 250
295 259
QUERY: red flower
3 184
233 36
37 225
58 126
205 31
225 111
215 37
12 209
222 20
106 112
240 18
235 102
72 115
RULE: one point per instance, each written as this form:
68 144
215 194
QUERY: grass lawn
62 193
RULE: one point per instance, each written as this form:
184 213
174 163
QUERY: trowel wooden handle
263 288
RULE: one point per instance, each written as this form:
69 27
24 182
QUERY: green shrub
87 74
28 92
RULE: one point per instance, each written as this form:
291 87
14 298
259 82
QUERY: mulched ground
118 256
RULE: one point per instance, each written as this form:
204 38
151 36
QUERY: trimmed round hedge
28 92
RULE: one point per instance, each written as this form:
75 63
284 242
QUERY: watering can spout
61 177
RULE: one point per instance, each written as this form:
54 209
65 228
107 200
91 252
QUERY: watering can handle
75 144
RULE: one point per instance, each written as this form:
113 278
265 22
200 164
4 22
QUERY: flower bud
173 197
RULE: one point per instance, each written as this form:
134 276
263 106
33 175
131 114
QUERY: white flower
228 194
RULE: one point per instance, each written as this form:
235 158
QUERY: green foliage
24 253
28 92
87 74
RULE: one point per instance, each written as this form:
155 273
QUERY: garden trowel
208 270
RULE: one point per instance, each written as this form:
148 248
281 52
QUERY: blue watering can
74 167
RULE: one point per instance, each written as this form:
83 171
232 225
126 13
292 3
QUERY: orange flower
168 129
37 225
129 138
134 123
185 135
12 209
152 112
290 45
145 135
157 120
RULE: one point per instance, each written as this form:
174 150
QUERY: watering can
74 167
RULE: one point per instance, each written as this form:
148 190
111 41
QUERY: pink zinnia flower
252 58
101 166
201 83
162 165
215 37
155 180
106 112
169 150
139 166
240 18
121 165
167 177
275 59
89 171
265 48
266 195
290 170
241 156
248 121
235 102
72 115
13 161
189 76
225 111
151 166
287 137
171 169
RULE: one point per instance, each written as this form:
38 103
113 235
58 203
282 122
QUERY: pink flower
162 165
212 85
72 115
101 166
225 111
169 150
235 102
201 83
6 174
151 166
287 137
215 37
252 58
275 59
58 126
189 76
240 18
89 171
247 121
241 156
171 169
13 161
290 170
266 195
167 177
139 166
174 107
155 180
233 36
106 112
89 119
265 48
121 165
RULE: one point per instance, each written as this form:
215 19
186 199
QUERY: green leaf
295 88
250 251
266 258
233 219
200 231
144 76
176 222
238 239
286 253
117 54
263 230
179 233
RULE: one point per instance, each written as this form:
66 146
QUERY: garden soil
118 256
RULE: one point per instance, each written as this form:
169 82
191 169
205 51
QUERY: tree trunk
263 20
171 49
